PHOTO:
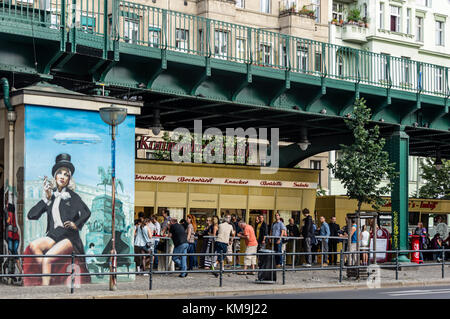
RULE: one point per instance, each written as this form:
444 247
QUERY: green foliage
197 154
321 192
363 165
437 181
163 155
354 15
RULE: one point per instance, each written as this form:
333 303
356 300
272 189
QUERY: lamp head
304 143
113 114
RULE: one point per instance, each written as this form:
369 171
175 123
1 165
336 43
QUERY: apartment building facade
401 29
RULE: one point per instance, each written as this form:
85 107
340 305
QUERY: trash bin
267 262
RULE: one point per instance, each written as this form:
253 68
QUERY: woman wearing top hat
66 215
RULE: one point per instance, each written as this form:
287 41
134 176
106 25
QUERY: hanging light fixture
304 143
156 125
438 161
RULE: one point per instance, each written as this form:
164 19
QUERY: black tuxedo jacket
72 209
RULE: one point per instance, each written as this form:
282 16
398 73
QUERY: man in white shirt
224 237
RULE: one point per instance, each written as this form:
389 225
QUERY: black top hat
63 160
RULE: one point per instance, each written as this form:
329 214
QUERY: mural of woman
66 215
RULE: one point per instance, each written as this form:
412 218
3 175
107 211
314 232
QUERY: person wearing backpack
308 235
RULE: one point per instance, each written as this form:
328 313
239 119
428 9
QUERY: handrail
152 27
350 266
249 45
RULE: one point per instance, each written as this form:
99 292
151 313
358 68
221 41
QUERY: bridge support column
398 146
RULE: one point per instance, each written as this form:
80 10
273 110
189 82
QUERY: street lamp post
113 115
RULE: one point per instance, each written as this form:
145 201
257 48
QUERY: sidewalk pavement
206 285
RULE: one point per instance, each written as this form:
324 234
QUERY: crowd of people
223 236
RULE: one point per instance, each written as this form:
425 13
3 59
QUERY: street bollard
72 277
150 273
396 265
341 264
443 261
221 268
284 266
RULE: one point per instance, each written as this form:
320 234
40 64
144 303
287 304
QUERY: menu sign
223 181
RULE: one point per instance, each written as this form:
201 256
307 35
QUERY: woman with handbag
148 234
212 231
190 232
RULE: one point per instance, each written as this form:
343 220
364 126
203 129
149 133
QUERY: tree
437 180
364 165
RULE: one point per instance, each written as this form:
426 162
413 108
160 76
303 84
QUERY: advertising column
68 193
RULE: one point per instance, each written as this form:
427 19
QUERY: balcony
354 33
287 9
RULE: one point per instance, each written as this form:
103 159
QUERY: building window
425 3
419 29
283 55
365 10
181 39
154 36
316 9
265 54
240 48
340 65
302 57
87 23
406 70
130 31
385 67
439 79
201 41
381 15
439 33
265 6
408 21
318 62
338 11
221 44
240 4
395 19
316 165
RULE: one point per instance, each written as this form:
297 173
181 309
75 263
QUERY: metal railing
351 264
150 27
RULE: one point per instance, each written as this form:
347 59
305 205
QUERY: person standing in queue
332 243
225 235
278 230
308 235
261 232
178 235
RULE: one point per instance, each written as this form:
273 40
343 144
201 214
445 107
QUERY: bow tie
63 194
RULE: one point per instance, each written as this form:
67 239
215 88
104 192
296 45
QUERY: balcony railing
150 28
286 8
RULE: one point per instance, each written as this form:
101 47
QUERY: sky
43 124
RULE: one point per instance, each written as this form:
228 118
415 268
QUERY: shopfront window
268 216
200 215
178 213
